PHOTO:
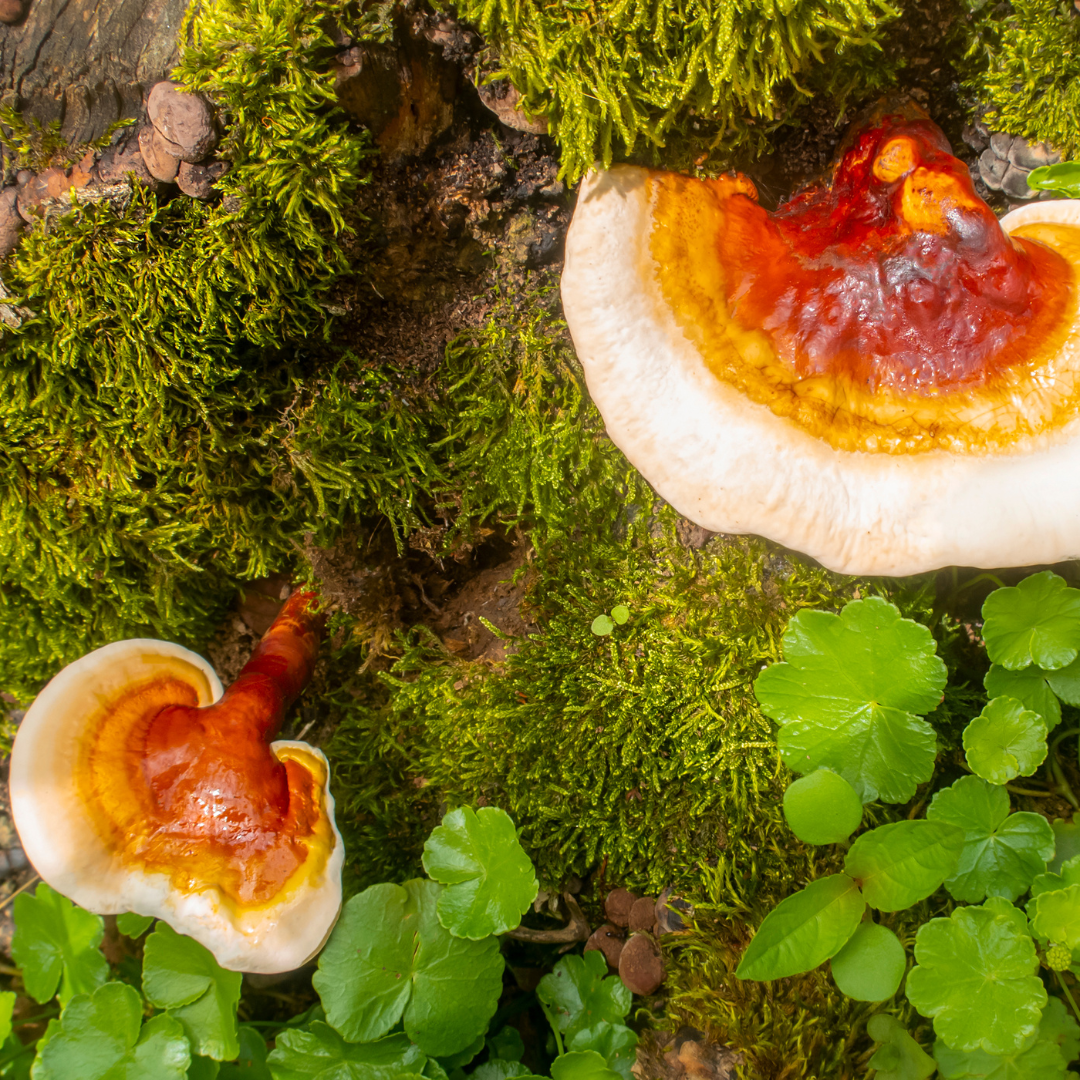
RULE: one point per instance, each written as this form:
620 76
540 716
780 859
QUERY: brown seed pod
617 906
641 965
643 914
609 940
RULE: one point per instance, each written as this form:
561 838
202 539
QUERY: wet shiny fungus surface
197 792
886 310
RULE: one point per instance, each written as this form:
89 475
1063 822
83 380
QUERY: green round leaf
621 614
1044 1056
849 694
1036 622
976 975
182 976
822 808
489 878
1005 741
133 926
580 994
602 626
56 945
1055 916
899 1057
1065 683
1064 177
506 1044
900 864
870 966
616 1043
389 958
1066 843
582 1065
102 1037
250 1063
805 930
1003 853
1030 687
498 1069
320 1053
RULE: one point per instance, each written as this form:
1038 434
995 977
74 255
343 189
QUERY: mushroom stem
279 668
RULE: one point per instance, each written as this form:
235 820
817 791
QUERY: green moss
160 437
613 76
643 752
1026 66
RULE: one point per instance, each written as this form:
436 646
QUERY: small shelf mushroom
879 373
136 785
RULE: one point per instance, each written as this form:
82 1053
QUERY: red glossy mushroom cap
136 785
877 374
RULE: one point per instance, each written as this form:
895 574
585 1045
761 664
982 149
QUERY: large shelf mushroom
136 785
878 374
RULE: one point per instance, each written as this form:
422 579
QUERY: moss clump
643 752
612 74
1026 66
158 442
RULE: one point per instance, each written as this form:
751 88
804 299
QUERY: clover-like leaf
1035 622
102 1037
250 1063
1044 1056
320 1053
204 1068
1003 853
1005 741
506 1044
620 614
900 864
578 995
822 807
498 1069
870 966
582 1065
389 959
899 1057
976 976
490 880
804 930
615 1042
133 926
1029 686
1055 916
182 976
1065 682
1064 178
849 696
1066 843
56 945
602 626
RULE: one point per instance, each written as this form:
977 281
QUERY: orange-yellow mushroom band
879 373
137 786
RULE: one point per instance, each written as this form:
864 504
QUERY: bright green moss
613 75
1026 66
157 441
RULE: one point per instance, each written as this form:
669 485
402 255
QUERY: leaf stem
1030 794
1063 784
1068 994
554 1029
5 1061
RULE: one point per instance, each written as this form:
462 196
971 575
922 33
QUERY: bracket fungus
878 374
137 785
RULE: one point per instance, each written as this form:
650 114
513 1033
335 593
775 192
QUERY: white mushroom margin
733 466
66 850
